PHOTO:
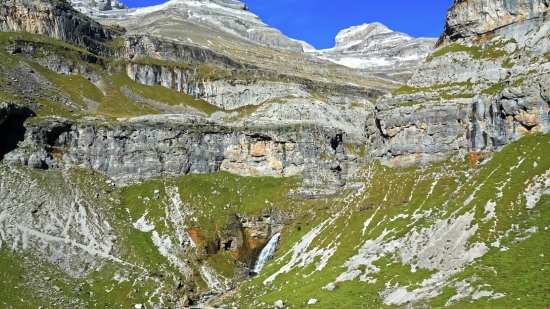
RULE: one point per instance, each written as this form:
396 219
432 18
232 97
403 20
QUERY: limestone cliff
144 147
56 19
467 19
484 87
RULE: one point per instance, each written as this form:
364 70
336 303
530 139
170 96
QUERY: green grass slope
394 243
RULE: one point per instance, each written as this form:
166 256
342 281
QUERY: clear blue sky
318 21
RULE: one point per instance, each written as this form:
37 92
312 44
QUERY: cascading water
267 253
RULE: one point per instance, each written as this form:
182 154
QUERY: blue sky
318 21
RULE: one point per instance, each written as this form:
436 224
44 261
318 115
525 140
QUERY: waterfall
267 253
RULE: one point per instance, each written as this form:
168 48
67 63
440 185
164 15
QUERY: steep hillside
103 137
467 232
150 168
454 234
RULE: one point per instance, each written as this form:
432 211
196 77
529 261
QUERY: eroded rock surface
482 89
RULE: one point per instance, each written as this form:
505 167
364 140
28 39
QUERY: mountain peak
359 33
375 46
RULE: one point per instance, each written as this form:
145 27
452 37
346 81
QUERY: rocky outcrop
238 88
479 93
227 94
467 19
146 47
177 145
56 19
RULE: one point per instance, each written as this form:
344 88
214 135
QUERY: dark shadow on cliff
12 131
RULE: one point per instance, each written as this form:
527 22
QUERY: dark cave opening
336 141
227 245
12 131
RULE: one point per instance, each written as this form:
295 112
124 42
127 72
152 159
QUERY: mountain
229 26
376 47
229 16
143 167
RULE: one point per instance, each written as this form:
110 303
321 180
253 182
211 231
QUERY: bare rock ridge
99 5
485 86
229 16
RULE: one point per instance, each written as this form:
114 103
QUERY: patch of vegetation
163 94
76 86
467 85
508 64
492 51
518 82
447 96
494 89
409 104
474 51
357 149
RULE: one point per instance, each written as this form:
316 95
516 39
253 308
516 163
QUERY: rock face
467 19
484 88
56 19
175 145
231 93
374 46
226 94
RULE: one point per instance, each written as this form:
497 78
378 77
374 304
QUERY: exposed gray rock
176 145
222 93
55 19
470 18
99 5
479 97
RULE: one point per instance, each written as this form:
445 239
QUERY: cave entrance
336 141
227 246
12 131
